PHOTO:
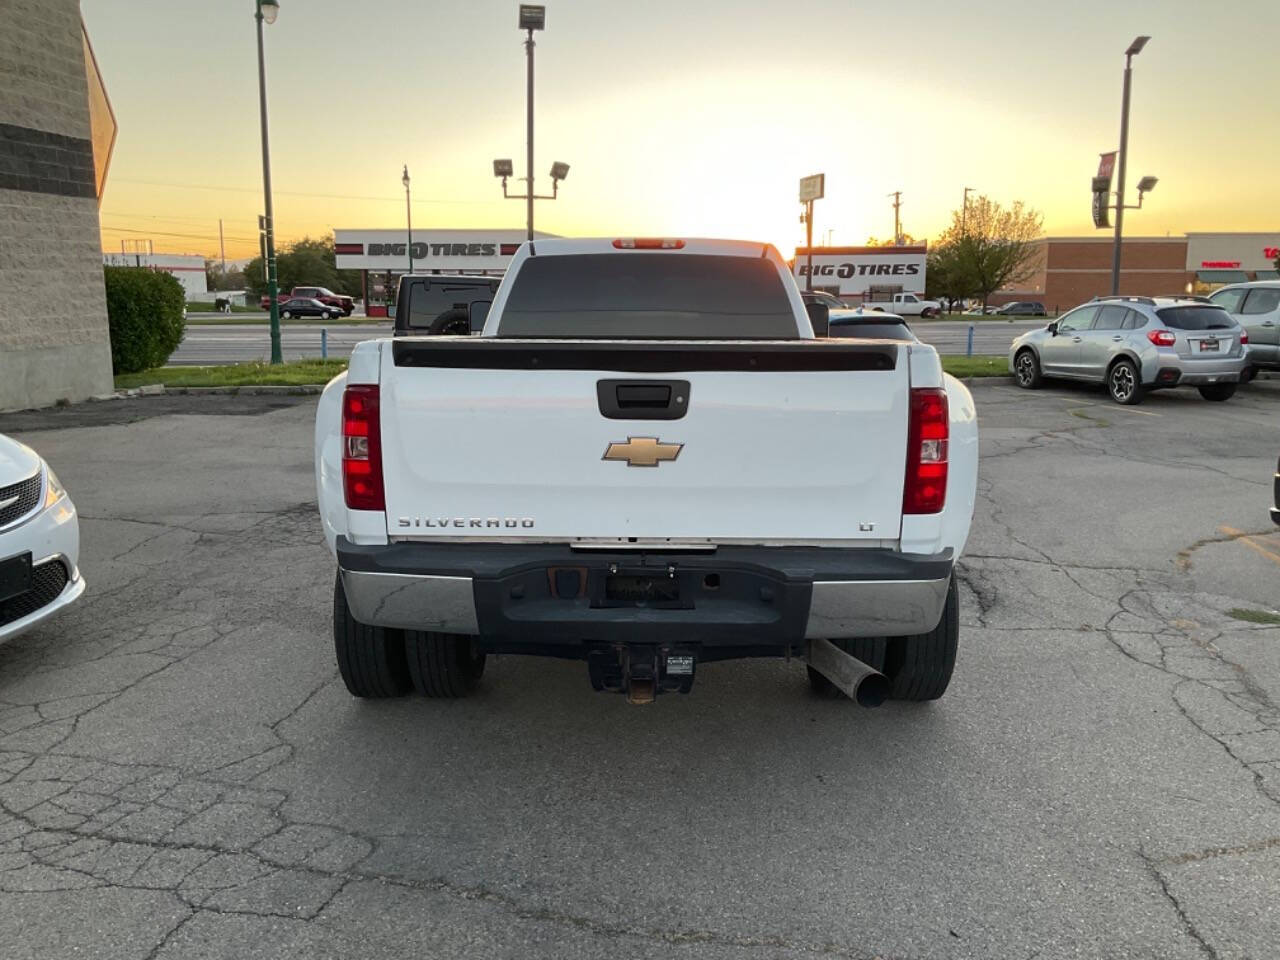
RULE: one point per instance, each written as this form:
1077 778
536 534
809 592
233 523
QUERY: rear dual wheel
379 662
917 667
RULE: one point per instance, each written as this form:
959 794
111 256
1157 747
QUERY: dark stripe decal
467 353
36 161
349 248
508 249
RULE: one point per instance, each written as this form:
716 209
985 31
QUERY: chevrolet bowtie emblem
643 451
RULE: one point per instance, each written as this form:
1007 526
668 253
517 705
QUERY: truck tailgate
795 441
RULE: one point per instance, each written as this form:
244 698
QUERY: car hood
17 461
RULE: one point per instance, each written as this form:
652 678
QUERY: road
237 343
183 775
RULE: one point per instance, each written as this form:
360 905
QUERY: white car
39 541
646 461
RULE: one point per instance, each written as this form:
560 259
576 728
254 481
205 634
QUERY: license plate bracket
15 576
657 588
1209 344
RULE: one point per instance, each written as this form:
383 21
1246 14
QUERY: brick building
1071 270
53 314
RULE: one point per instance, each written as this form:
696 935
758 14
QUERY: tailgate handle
643 399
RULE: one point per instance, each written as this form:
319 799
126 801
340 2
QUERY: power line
161 233
287 193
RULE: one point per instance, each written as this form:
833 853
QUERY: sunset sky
682 118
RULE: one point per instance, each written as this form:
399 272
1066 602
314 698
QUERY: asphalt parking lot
183 775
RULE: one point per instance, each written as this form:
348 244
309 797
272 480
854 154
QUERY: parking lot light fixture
268 10
1134 49
532 17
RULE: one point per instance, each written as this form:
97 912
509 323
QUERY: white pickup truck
646 461
905 305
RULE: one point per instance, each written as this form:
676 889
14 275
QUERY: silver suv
1256 307
1136 344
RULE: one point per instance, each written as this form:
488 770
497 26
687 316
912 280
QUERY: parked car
632 466
1275 495
871 325
1136 344
906 305
1256 307
39 541
307 307
1021 308
822 296
344 304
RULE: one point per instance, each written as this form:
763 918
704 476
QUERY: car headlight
54 491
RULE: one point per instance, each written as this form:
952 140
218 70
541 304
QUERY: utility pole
222 247
897 220
964 211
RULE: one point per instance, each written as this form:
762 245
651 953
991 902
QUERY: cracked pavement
183 775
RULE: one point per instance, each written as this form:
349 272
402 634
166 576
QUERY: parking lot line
1251 543
1114 406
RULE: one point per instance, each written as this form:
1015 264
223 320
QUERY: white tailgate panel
766 456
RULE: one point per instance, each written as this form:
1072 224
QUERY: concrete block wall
54 343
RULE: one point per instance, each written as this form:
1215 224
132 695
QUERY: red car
323 294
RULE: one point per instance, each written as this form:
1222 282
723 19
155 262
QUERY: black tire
442 664
1217 392
1026 369
918 667
370 659
1124 385
451 323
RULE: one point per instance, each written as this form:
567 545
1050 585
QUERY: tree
216 279
945 276
305 263
993 247
907 241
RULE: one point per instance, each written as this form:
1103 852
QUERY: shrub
144 310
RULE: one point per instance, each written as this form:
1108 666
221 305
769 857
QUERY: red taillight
1162 338
928 429
362 449
647 243
1244 337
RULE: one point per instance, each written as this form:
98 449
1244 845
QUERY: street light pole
964 211
528 47
408 215
268 10
1134 49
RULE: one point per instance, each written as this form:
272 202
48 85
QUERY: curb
158 389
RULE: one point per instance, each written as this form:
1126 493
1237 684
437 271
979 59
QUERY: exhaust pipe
865 685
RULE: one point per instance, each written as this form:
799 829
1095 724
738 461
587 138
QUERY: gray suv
1256 307
1136 344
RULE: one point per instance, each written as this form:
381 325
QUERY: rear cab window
1198 317
875 330
645 296
1230 300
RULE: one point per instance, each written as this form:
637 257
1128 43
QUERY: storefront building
857 274
1218 258
1072 270
383 256
187 269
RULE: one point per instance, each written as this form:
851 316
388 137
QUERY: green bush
144 309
